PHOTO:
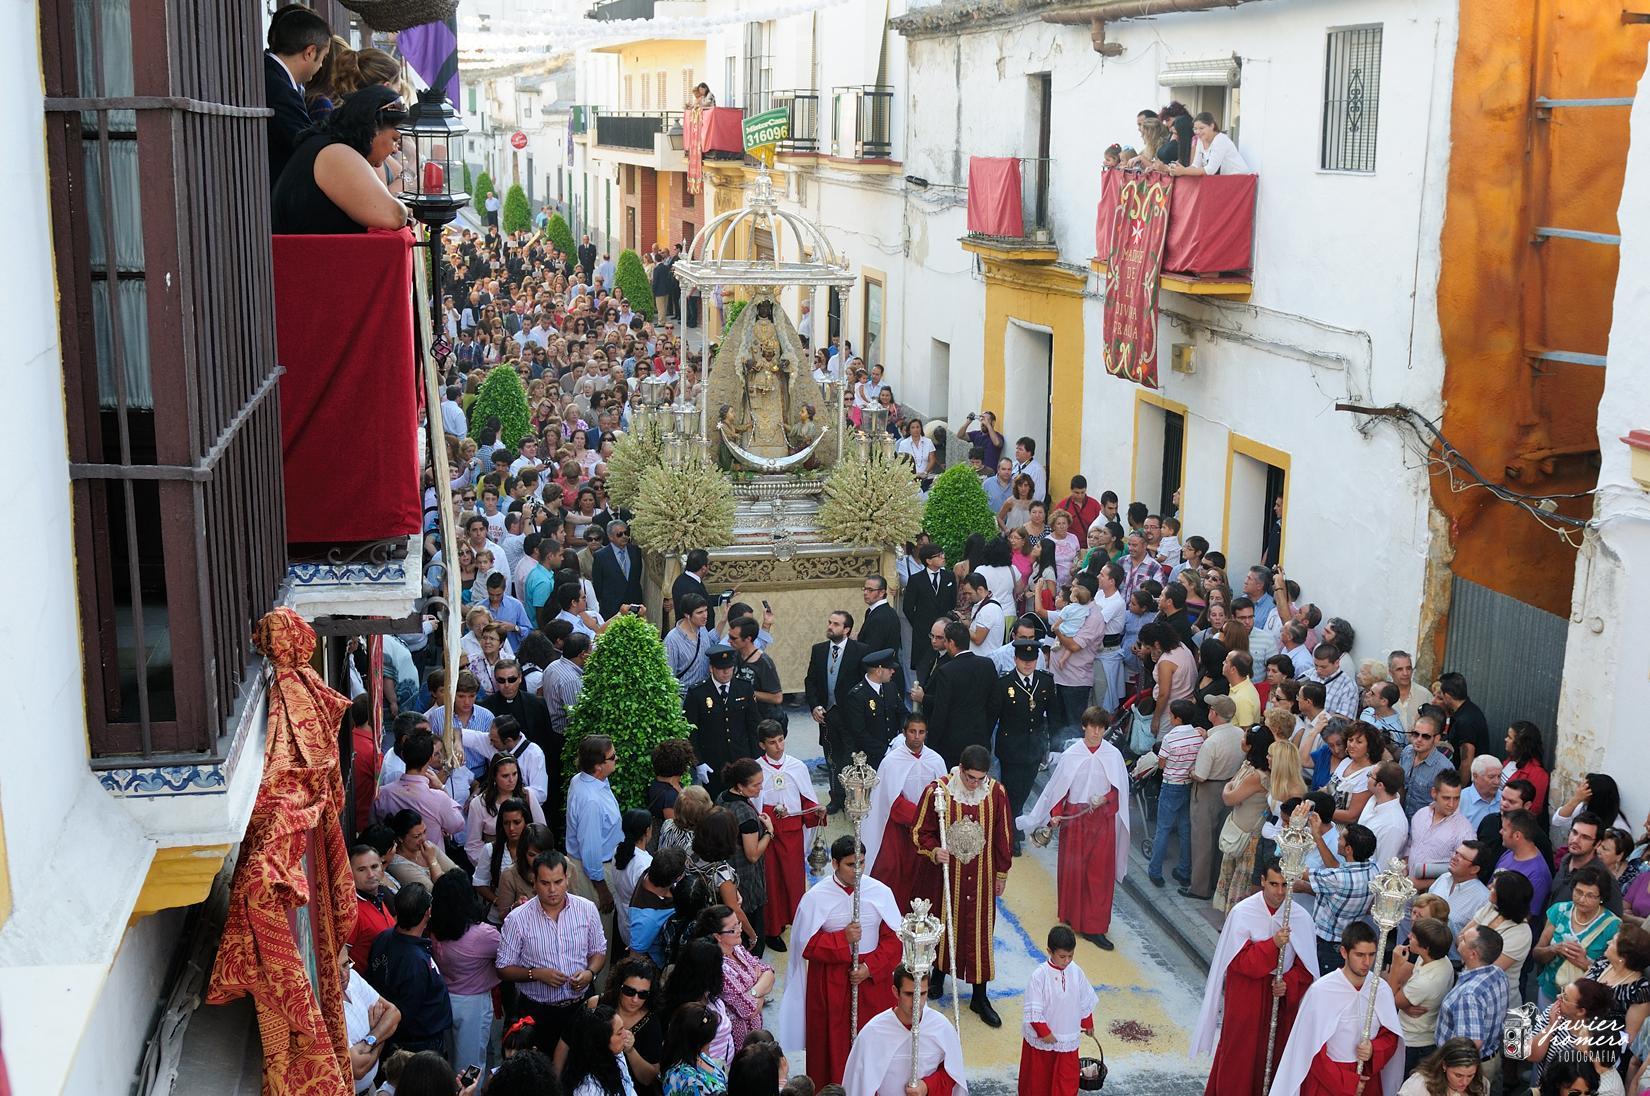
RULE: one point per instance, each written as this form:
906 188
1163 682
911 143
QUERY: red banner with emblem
1139 227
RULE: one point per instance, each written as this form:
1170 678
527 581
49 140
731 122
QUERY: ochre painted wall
1051 297
1530 425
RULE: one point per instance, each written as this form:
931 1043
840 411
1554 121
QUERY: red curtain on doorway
994 196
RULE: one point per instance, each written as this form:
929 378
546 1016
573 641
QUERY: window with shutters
629 101
1351 99
664 89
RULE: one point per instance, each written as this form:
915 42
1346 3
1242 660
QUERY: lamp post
432 178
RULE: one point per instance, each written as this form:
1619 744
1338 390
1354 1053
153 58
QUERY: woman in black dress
332 184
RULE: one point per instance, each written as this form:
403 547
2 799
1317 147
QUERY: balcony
1208 249
802 118
862 124
359 379
1008 208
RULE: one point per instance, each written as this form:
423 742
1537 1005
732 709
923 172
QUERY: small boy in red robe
1059 1009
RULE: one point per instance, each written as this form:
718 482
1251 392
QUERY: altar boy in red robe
1059 1008
890 854
880 1064
819 986
1237 1001
1327 1049
787 798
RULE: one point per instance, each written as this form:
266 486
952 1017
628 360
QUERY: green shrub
631 277
561 236
502 397
469 180
484 186
957 506
734 310
517 214
629 695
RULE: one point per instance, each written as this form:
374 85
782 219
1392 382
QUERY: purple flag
432 51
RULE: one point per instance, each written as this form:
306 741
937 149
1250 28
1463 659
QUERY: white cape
880 1062
798 784
1246 921
900 773
1329 1000
828 908
1082 775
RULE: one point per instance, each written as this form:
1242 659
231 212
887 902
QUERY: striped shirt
533 938
1343 896
1177 753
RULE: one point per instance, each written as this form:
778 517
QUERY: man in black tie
930 594
833 669
880 629
872 712
957 699
298 44
616 571
722 710
692 581
1023 703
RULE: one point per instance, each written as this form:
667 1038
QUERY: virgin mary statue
766 373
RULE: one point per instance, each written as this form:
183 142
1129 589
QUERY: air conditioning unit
1183 358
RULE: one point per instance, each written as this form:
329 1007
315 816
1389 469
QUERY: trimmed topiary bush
502 397
484 186
517 214
561 235
734 310
629 695
631 278
957 507
469 180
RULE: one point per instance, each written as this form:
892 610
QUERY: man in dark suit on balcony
616 571
298 44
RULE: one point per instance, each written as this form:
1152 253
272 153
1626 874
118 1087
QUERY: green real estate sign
766 129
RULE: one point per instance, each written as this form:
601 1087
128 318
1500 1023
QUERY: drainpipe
1097 15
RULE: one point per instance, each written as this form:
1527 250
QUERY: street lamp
432 179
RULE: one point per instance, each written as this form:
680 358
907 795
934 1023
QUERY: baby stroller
1131 733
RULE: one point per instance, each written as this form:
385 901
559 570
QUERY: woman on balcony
333 184
1213 153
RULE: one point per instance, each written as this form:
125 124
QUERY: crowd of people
513 916
1178 142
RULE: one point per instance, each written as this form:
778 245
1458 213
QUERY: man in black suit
722 710
929 594
616 570
880 628
298 44
511 698
1023 703
833 668
692 581
587 257
872 712
957 700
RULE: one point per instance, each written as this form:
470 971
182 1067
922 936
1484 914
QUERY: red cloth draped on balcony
350 394
994 197
725 130
1211 222
306 1050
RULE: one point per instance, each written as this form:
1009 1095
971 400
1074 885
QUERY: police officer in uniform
1023 704
722 709
873 712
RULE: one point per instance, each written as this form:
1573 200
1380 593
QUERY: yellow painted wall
638 59
1049 297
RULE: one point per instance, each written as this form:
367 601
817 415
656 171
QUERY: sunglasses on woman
639 994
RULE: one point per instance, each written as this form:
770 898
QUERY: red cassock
1328 1077
830 998
1087 867
907 874
786 867
1240 1058
1050 1072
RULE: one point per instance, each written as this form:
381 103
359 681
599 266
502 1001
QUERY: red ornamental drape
1139 227
306 1050
1211 222
994 207
351 391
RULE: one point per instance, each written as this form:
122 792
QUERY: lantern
432 181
